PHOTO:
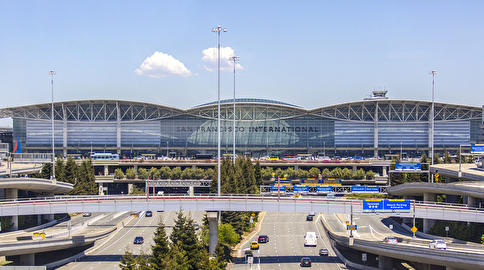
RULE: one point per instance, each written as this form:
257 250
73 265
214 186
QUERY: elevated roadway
77 204
371 231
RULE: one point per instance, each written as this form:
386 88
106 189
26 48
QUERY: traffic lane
286 245
108 251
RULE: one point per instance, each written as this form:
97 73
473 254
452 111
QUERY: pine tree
71 171
59 170
258 174
127 260
161 249
46 171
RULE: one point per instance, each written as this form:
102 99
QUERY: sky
307 53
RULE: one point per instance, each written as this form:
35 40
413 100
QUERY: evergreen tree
161 249
258 174
185 237
127 260
86 184
71 170
46 171
59 170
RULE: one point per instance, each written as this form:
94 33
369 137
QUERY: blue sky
307 53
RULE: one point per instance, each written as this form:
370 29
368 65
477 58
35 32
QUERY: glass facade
261 126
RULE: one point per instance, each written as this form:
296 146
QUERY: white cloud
162 65
211 55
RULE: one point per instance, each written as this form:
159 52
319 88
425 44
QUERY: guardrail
202 202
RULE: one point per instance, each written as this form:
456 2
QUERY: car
289 158
86 214
149 214
263 239
306 261
323 252
390 240
248 253
254 245
438 244
309 218
138 240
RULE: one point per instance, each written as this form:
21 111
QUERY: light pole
217 30
167 153
234 58
52 73
90 154
433 73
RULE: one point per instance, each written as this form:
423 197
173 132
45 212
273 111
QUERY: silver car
438 243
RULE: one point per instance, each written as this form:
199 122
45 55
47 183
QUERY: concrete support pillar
106 170
385 262
136 169
27 259
384 172
12 194
130 188
191 191
430 197
39 219
354 169
212 231
194 167
427 224
472 201
101 190
296 167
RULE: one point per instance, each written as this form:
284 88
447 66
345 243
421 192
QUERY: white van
310 239
160 193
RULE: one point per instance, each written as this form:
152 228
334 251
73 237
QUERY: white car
390 240
438 243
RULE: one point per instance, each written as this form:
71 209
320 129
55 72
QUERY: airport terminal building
370 127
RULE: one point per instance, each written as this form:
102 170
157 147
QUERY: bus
104 156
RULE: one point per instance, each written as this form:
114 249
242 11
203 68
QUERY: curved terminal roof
247 100
246 110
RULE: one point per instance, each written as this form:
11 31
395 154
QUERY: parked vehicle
309 218
310 239
86 214
149 214
438 244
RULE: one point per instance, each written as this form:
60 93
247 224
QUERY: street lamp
217 30
433 73
234 58
52 73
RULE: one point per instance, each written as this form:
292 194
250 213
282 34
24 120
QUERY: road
286 244
108 252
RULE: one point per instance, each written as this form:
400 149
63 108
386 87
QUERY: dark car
149 214
263 239
309 218
138 240
306 261
323 252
